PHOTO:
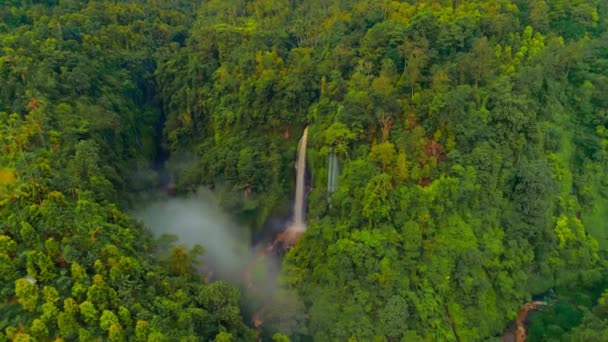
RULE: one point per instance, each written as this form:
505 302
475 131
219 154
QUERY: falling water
332 173
287 238
298 207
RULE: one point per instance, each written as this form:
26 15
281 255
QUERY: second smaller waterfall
333 170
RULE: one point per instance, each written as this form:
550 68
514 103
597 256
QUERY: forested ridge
472 138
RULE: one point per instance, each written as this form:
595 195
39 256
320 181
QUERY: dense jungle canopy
472 138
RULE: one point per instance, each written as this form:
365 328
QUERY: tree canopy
472 138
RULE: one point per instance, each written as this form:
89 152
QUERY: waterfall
333 170
299 205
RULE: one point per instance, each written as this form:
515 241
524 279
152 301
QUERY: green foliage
108 318
223 337
39 330
88 313
278 337
79 108
464 189
142 330
471 136
27 293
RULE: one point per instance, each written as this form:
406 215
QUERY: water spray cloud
198 219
